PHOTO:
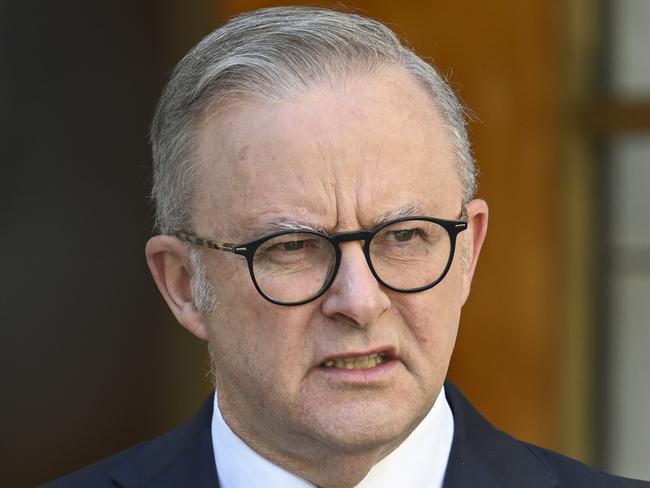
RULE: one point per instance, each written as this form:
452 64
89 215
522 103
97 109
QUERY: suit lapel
484 456
183 457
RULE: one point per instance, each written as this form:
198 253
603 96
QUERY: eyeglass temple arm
222 246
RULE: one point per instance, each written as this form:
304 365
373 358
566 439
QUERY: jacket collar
484 456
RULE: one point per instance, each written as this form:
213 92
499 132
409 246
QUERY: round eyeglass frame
248 250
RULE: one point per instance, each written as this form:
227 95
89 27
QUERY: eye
292 245
403 235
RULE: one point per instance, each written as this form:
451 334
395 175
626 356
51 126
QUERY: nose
355 293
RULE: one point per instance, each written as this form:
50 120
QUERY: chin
358 427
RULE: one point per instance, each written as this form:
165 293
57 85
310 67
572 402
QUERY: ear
169 265
477 218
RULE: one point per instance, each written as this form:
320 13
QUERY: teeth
363 362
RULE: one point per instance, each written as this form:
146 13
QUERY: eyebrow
281 224
409 210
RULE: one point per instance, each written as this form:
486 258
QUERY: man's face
338 158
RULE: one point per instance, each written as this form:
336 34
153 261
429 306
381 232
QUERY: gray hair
203 291
275 53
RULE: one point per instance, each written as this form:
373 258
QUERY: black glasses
294 267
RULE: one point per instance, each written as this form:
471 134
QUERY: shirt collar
421 460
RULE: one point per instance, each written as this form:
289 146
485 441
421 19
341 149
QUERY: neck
321 465
314 460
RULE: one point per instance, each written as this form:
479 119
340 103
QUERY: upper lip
389 350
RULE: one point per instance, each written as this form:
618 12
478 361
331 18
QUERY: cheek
260 345
230 276
432 319
235 331
432 326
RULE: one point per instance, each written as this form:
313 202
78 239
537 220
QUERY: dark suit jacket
481 456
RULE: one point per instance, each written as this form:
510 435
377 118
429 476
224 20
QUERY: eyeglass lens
406 255
293 267
410 254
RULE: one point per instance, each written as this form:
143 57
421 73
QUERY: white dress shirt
419 462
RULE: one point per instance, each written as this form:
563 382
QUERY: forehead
337 156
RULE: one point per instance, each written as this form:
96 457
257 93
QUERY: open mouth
360 362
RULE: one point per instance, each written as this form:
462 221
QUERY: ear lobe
169 266
477 212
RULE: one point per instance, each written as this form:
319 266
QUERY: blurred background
554 341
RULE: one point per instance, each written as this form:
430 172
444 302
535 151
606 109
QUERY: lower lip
360 376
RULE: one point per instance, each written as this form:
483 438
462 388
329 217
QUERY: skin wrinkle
381 148
407 210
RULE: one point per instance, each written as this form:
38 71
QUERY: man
314 184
